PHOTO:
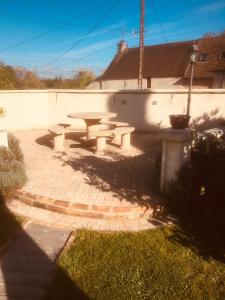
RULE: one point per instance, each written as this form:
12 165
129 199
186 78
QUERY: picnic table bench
96 128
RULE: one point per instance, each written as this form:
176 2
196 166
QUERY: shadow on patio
27 262
131 178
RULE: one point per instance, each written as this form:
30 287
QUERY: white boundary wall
146 110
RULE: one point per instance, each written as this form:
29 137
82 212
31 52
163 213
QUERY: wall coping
146 91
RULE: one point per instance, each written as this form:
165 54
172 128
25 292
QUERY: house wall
219 80
179 83
147 110
122 84
126 84
95 85
167 82
155 83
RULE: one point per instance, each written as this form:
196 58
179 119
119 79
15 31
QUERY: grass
9 224
159 264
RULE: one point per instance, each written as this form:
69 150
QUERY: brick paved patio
77 182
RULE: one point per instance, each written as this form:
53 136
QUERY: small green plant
12 170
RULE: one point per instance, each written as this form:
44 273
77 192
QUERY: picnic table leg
100 145
125 141
89 124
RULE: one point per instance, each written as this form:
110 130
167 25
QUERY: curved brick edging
72 223
85 210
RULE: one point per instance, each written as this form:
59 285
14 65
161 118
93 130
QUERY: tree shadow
134 178
204 238
76 140
26 269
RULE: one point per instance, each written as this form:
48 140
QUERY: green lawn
9 224
159 264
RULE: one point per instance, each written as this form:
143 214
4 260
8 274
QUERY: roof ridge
166 44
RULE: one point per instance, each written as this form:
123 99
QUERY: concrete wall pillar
175 152
4 138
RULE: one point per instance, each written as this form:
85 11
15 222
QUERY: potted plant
3 132
182 121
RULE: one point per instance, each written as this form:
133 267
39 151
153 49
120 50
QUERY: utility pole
141 47
36 77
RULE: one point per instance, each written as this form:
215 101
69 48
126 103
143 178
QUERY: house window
221 56
202 57
149 85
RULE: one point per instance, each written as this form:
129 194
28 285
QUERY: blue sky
96 45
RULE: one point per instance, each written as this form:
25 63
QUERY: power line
86 35
159 21
52 21
36 20
88 55
51 30
31 39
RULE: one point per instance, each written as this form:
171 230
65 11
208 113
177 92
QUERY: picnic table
91 118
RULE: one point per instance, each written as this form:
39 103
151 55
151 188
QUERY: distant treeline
21 78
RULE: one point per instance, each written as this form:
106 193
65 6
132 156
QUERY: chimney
122 45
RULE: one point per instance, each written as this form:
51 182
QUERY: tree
8 78
21 78
27 79
83 78
209 35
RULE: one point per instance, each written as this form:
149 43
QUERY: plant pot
179 121
4 138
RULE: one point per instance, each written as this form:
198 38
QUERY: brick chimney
122 45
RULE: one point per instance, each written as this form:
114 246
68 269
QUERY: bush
14 146
200 190
12 171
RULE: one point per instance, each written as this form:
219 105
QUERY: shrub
200 190
14 146
209 120
12 171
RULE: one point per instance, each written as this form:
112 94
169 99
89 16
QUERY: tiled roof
213 46
167 60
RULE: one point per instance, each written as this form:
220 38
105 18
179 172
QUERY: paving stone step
98 211
73 223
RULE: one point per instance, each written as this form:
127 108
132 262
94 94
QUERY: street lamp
193 59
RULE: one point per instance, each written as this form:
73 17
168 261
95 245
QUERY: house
166 66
